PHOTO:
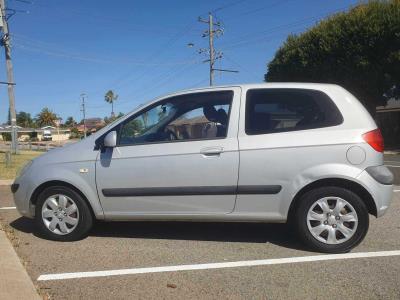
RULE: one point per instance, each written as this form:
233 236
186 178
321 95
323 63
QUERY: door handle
212 151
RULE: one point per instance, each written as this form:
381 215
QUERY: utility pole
214 55
10 77
83 110
211 42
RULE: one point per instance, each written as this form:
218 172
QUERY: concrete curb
392 152
6 181
15 282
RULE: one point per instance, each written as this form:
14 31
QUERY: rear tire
331 219
61 214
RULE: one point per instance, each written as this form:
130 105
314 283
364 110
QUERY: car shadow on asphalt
278 234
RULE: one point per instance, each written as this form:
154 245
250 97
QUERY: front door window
181 118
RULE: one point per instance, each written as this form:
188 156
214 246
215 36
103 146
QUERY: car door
176 156
284 134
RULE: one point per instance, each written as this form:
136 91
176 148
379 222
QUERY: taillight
374 139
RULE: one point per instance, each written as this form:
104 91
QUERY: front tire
61 214
331 219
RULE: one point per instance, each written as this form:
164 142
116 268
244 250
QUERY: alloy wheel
60 214
332 220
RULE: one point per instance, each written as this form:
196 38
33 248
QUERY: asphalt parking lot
116 246
124 260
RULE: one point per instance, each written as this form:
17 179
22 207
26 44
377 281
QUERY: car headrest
210 113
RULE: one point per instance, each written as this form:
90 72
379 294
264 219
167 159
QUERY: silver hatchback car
307 154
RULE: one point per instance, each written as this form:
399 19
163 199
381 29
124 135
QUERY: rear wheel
332 219
62 214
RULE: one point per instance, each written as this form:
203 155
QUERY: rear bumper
381 174
381 193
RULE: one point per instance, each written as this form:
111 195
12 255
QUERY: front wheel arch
47 184
339 182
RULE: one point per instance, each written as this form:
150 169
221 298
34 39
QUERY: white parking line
7 208
235 264
392 166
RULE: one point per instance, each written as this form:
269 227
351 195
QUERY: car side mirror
110 140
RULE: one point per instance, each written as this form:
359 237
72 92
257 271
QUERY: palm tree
46 117
110 97
70 122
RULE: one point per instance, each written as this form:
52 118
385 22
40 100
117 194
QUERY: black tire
85 220
309 198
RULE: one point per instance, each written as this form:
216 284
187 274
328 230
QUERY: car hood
79 151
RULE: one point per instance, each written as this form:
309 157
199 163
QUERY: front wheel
332 219
62 214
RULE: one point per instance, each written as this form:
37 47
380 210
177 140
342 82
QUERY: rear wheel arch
337 182
60 183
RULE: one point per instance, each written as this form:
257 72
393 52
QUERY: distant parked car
47 135
309 154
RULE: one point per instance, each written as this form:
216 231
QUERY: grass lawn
17 162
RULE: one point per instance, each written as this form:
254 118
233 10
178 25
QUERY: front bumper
22 198
381 193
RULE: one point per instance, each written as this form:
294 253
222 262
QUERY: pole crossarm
225 70
9 83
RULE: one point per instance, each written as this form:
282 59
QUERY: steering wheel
170 135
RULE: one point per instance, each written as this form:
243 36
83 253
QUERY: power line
106 18
256 36
258 40
227 5
24 1
31 47
240 66
198 83
153 57
256 10
165 80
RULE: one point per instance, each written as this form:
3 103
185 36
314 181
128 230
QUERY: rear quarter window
281 110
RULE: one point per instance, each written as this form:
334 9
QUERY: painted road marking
7 208
234 264
392 166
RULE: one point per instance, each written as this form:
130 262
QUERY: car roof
305 85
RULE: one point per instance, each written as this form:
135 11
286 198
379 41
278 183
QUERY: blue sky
139 49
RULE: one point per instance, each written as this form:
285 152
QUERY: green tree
24 119
46 118
108 120
70 122
6 136
110 97
358 49
133 127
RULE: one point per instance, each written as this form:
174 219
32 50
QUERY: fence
33 146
